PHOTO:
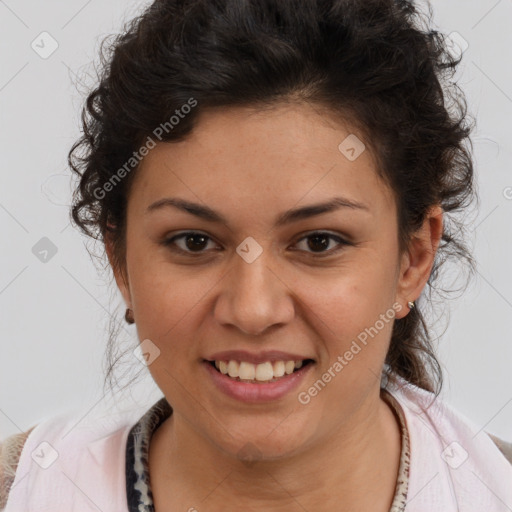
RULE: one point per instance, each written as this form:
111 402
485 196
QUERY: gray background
55 314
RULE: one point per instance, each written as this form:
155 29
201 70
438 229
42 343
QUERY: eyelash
171 243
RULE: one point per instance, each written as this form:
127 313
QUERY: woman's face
260 282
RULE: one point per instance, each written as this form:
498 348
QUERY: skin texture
250 167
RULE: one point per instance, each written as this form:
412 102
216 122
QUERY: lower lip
252 392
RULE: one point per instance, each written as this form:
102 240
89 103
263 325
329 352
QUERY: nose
253 298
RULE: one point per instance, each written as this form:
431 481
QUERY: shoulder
431 413
75 444
79 444
10 452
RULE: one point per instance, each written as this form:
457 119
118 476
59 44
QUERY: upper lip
256 358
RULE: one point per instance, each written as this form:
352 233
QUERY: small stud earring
411 304
128 316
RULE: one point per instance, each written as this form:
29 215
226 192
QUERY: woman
273 184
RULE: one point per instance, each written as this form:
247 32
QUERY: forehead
279 157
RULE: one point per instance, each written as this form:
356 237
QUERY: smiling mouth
268 371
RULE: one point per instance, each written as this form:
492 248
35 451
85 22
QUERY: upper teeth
262 372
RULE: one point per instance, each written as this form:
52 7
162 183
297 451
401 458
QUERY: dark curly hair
374 63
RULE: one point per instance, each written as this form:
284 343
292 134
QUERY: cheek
360 288
352 311
164 310
164 296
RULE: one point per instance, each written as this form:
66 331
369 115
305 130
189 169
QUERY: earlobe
417 262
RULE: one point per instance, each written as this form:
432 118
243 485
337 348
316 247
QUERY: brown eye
191 242
195 242
319 243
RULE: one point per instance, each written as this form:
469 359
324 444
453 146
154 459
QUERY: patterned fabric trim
138 491
402 482
10 452
140 498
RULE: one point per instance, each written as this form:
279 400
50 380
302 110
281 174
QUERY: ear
118 270
417 261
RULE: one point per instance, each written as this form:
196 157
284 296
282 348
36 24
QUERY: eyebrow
293 215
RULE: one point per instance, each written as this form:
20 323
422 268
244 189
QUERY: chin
264 444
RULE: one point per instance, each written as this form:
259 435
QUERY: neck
337 472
